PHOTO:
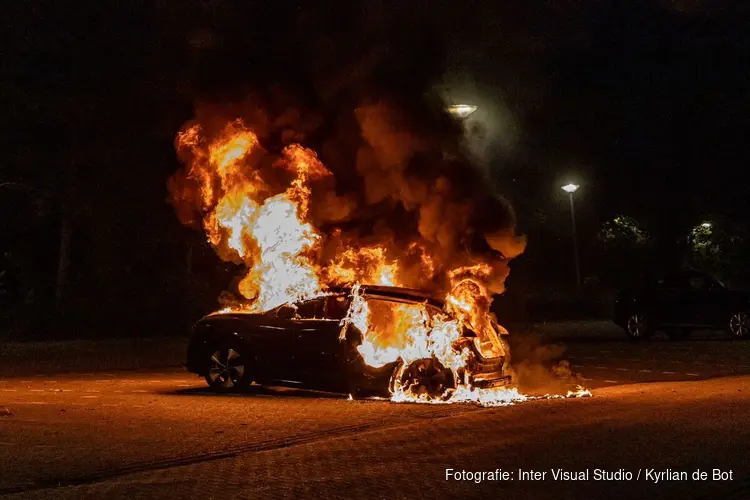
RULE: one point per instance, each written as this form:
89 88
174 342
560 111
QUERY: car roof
394 292
386 292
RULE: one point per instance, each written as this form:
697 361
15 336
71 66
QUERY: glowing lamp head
570 188
461 110
706 225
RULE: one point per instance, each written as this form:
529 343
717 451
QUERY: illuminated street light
461 110
706 225
570 189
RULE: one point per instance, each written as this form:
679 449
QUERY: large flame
248 224
255 209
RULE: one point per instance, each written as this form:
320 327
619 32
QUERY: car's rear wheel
227 369
739 325
427 378
637 327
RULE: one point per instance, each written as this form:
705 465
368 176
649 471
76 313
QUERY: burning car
322 257
366 341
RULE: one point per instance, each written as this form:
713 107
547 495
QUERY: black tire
227 369
677 333
739 325
428 378
637 327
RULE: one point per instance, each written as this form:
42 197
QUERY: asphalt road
661 406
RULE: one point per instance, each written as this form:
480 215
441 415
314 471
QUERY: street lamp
461 110
706 225
570 189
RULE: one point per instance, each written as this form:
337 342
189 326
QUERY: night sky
645 104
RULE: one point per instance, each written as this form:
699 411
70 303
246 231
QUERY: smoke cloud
539 367
362 97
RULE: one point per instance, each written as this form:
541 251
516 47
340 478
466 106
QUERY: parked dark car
682 301
298 345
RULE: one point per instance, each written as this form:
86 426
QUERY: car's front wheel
739 325
637 327
227 369
427 378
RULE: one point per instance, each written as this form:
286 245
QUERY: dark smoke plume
360 92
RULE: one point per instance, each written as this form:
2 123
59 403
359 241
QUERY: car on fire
679 302
301 345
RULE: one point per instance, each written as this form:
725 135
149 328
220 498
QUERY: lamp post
570 189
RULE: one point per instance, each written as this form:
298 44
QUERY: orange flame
268 233
365 265
267 227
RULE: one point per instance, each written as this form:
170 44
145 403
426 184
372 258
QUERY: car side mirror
286 312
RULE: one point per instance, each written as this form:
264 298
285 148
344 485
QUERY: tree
721 250
622 250
622 231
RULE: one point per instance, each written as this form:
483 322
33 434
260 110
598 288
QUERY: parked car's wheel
428 377
637 327
227 369
678 333
739 325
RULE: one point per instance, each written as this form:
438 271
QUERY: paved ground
682 406
19 359
610 360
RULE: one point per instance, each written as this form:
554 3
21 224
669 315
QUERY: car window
391 320
688 281
714 284
309 309
672 281
336 307
706 282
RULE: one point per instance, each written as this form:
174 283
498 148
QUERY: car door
318 346
716 303
298 325
277 341
695 300
665 300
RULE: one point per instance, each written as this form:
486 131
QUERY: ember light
462 110
570 188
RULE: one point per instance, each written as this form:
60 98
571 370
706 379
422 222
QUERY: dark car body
681 301
305 350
